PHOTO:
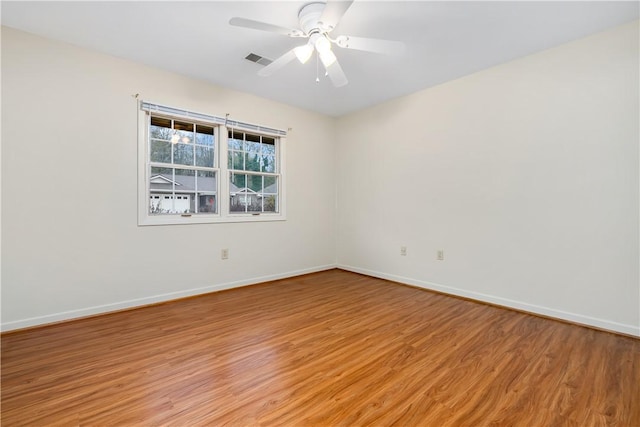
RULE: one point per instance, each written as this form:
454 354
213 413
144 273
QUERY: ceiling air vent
258 59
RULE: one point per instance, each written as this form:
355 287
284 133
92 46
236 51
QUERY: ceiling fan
317 20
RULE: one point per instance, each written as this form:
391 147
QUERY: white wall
70 243
526 174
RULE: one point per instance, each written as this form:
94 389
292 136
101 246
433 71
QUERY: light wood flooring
327 349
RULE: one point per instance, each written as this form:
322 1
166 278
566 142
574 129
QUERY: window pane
238 202
269 164
204 156
250 137
270 185
238 160
238 182
160 133
160 128
185 185
270 203
252 147
160 151
206 192
185 179
155 206
238 198
183 154
184 137
207 203
235 144
252 162
160 190
184 132
255 204
161 122
183 126
269 149
204 135
206 181
160 182
236 135
156 170
255 182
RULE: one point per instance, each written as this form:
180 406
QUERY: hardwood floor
327 349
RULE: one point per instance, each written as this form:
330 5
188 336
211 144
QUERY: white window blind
176 112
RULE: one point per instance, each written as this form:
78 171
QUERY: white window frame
222 127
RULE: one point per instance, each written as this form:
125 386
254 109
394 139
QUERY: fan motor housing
309 17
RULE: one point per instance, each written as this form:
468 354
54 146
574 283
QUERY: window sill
207 219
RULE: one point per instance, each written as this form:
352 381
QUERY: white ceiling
445 40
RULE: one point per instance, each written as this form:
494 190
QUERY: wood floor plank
327 349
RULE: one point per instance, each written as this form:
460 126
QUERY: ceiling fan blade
336 75
333 12
278 63
263 26
389 47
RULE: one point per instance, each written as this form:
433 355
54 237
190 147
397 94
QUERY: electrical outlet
440 254
224 254
403 250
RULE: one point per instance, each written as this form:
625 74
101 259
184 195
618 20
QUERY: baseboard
134 303
504 302
602 324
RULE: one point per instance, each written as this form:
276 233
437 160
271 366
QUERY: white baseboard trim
123 305
504 302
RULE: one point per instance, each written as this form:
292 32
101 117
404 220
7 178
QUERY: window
252 161
182 167
196 168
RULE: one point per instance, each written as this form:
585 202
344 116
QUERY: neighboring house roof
185 183
273 188
237 190
182 183
159 180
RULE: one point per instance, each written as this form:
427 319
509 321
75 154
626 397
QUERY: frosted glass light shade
322 45
327 58
303 53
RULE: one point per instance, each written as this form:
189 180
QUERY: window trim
223 173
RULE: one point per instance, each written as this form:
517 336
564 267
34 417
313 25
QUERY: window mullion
244 154
172 143
262 193
224 176
179 166
196 198
173 189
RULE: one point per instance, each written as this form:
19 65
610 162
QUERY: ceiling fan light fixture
323 45
317 20
303 53
327 57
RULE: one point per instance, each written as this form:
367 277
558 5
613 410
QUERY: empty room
331 213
